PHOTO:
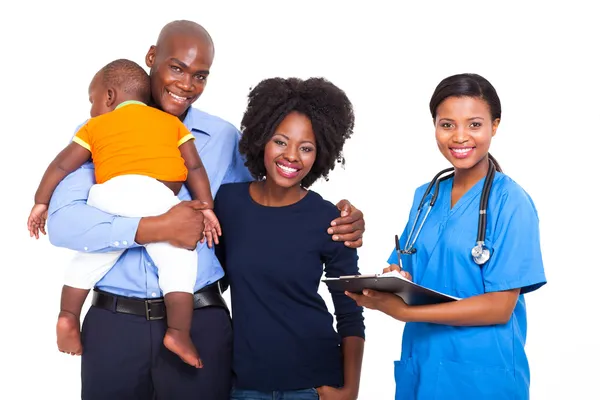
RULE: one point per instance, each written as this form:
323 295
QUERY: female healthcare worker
472 348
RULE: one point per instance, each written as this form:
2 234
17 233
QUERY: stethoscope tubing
435 184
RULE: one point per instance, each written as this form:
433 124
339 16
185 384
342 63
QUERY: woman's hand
331 393
394 267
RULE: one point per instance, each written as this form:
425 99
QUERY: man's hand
36 222
331 393
184 224
348 228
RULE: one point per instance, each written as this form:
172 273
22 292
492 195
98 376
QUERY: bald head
179 65
183 28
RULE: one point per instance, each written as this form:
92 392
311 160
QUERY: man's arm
75 225
68 160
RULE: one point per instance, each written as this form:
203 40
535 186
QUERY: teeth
178 98
462 151
287 169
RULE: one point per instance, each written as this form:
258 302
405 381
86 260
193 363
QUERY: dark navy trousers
124 358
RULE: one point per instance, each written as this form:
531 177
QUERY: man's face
179 68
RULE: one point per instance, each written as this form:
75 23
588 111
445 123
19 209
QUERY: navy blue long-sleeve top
283 335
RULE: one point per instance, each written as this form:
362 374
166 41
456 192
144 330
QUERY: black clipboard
391 282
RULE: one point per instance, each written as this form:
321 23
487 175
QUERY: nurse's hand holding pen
394 267
387 303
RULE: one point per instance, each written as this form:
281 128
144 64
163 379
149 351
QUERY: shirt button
85 249
116 244
153 294
124 242
148 264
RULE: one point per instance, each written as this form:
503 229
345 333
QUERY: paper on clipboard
391 282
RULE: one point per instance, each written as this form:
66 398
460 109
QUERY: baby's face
100 97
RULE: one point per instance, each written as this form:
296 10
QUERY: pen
398 252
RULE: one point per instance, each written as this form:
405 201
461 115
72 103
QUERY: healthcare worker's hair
129 77
326 106
467 85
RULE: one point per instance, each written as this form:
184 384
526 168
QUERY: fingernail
335 237
333 223
344 213
330 231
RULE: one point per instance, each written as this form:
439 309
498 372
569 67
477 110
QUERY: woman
472 348
275 245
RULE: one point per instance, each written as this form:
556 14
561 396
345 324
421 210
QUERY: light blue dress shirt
75 225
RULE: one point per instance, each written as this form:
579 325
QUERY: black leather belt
154 309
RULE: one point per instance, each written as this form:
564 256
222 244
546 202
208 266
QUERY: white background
388 57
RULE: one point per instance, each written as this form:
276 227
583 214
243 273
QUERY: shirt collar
193 121
128 102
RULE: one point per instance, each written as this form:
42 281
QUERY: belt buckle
147 304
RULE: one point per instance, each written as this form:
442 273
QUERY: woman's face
291 151
463 130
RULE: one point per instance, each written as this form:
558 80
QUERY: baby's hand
212 228
36 222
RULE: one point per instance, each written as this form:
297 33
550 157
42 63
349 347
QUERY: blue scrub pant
124 358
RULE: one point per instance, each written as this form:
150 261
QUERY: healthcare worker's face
463 130
291 152
179 68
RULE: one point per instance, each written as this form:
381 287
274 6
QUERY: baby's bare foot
181 344
67 334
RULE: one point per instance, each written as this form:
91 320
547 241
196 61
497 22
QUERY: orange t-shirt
135 139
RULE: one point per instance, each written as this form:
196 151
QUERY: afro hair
327 107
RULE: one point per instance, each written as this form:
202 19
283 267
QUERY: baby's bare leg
180 307
68 336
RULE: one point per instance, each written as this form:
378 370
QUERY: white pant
135 196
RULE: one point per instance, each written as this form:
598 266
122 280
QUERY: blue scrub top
487 362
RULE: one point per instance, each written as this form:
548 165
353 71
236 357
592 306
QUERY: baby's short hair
129 77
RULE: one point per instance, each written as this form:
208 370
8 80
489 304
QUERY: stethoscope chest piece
480 253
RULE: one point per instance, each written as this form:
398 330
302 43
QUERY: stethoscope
480 253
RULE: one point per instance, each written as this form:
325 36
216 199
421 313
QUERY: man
123 356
